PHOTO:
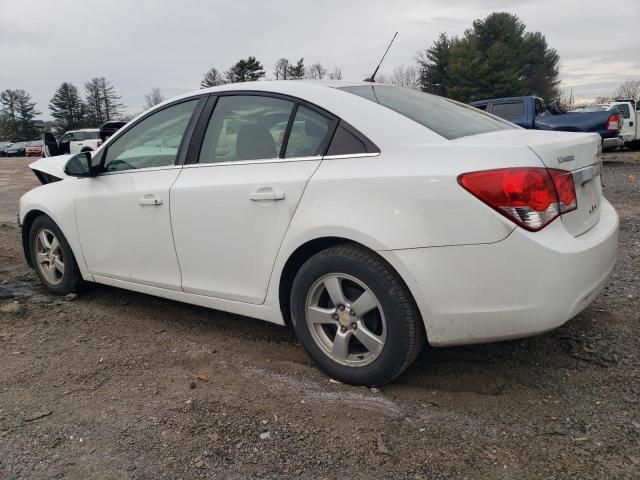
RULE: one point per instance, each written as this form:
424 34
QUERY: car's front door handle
150 200
266 194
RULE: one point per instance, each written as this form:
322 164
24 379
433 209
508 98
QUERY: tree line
250 69
70 109
495 57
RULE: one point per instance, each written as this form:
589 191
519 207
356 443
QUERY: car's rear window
509 110
443 116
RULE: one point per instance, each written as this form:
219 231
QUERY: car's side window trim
287 130
182 150
207 113
193 152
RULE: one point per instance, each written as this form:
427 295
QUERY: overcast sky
140 44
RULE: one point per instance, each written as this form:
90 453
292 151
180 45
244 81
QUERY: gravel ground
114 384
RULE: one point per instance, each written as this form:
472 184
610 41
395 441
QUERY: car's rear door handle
266 194
150 200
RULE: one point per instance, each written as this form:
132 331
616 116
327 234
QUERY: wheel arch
305 251
28 220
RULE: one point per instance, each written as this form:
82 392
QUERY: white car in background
72 142
386 216
630 131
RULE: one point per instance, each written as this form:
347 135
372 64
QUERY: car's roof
83 130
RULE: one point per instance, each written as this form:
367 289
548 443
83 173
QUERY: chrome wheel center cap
345 318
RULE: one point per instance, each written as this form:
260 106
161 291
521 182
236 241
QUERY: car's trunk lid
575 152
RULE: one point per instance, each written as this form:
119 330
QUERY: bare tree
336 74
316 71
212 78
600 100
404 76
153 98
382 78
629 89
281 69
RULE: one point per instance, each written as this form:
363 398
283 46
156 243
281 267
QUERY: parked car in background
331 225
72 142
3 147
109 128
629 110
532 113
16 150
34 149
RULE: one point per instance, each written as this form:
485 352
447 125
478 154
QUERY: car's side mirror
79 165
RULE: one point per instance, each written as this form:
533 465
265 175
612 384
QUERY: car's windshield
443 116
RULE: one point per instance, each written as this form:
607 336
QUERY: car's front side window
153 142
245 127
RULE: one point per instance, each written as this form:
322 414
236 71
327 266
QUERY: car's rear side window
443 116
509 110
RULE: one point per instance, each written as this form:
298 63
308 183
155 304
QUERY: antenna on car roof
372 78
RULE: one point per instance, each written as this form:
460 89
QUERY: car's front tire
355 317
52 257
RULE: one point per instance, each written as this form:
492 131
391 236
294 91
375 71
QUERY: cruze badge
566 158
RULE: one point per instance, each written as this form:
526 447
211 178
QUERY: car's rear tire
52 257
329 295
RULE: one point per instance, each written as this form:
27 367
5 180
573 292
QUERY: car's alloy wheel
355 317
49 256
346 320
52 257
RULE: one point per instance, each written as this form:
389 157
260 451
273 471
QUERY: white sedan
367 216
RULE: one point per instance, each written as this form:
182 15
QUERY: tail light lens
614 122
530 197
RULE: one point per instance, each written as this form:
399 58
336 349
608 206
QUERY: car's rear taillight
614 122
530 197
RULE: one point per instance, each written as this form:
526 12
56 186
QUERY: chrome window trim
134 170
282 160
250 162
351 155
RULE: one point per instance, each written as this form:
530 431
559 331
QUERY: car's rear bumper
527 284
612 142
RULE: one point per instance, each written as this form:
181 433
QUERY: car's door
123 213
50 145
64 143
628 124
231 208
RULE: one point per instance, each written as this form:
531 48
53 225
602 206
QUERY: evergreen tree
494 58
297 71
102 101
67 107
8 100
434 66
212 78
245 71
19 112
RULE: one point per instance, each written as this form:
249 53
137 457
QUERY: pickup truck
73 141
630 110
532 113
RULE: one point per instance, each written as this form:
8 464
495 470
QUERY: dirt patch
114 384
